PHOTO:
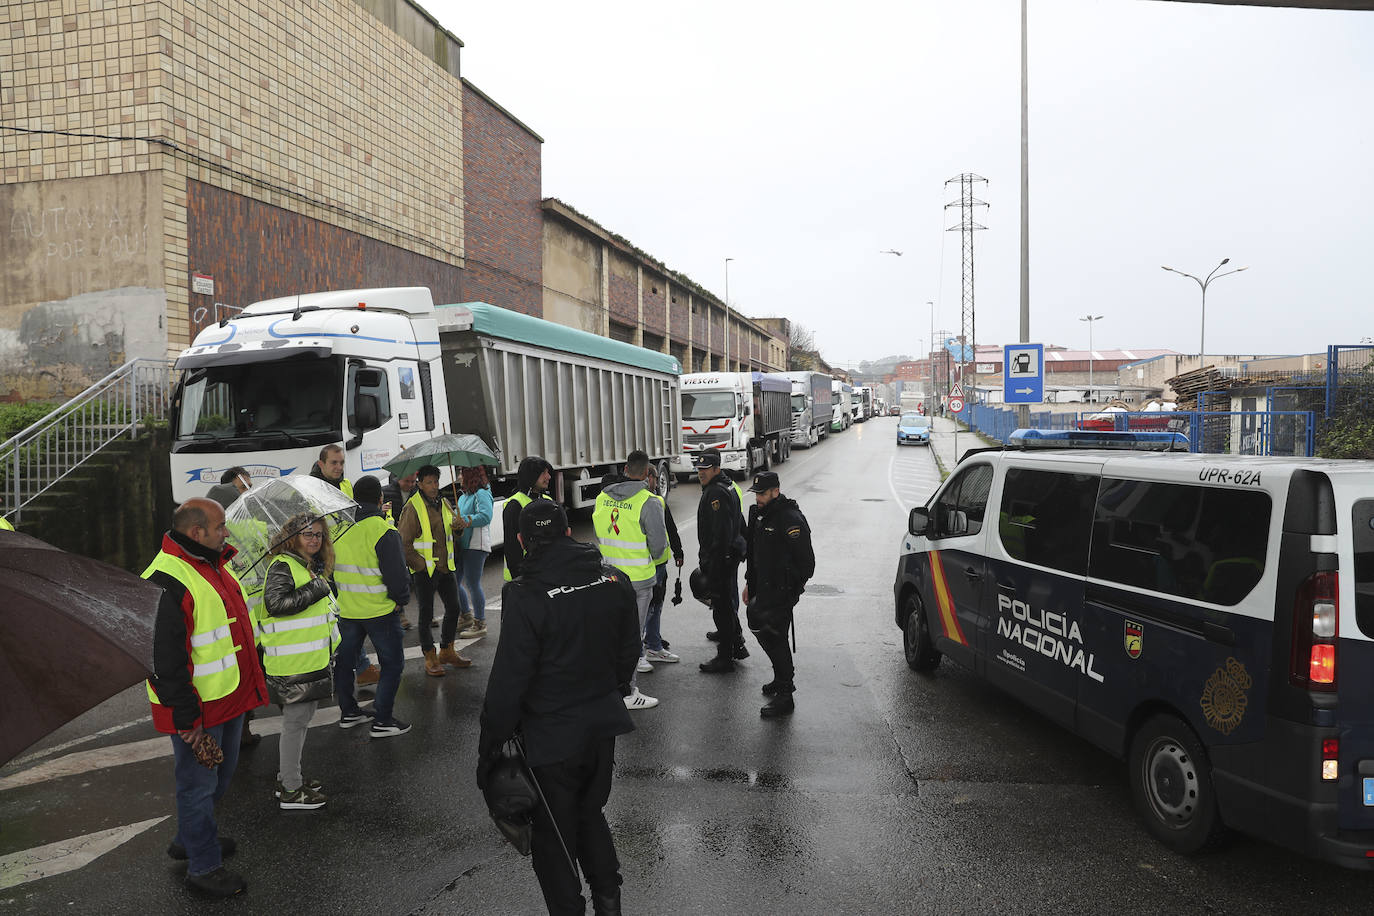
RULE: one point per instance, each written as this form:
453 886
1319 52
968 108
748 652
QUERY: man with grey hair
633 538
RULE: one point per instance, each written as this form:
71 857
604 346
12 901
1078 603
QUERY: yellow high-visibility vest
424 544
362 591
299 643
214 664
621 537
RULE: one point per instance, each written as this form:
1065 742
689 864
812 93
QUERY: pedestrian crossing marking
66 855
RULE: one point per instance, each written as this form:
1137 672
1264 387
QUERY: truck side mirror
366 412
918 521
369 378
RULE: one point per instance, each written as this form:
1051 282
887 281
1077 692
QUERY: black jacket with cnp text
719 525
569 645
780 556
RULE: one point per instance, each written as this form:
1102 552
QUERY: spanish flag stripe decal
948 617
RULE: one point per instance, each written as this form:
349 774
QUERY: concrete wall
572 278
80 281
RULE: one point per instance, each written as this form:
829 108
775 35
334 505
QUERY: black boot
781 704
714 636
718 665
741 650
606 903
770 689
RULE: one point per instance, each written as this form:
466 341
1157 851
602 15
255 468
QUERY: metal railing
35 459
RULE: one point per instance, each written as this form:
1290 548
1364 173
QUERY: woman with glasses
297 635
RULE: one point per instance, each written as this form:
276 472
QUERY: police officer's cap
765 481
706 459
542 520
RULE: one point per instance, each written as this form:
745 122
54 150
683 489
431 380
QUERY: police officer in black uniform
720 537
780 561
569 643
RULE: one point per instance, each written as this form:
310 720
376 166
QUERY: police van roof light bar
1155 441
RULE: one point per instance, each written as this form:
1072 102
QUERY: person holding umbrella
426 526
298 636
206 676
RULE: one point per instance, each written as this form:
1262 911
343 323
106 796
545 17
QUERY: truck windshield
285 399
708 405
798 403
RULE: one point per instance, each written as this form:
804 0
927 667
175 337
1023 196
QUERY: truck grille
703 439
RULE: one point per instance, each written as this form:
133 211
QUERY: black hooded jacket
531 466
780 556
719 525
569 645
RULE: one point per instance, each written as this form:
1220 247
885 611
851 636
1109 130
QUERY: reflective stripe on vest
621 537
424 544
667 547
362 591
298 643
523 499
214 662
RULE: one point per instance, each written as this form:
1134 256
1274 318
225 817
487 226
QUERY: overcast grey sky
801 139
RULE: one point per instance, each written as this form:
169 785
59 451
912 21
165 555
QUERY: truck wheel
683 478
665 479
784 450
917 645
1171 782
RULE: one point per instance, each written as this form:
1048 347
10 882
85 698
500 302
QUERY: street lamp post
1202 340
1090 319
727 314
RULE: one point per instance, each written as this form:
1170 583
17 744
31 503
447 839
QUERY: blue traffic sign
1023 373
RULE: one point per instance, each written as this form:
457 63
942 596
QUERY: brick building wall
502 216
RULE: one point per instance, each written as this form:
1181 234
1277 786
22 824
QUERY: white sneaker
644 667
637 700
661 655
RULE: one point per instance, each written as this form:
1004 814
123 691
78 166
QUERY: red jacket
181 707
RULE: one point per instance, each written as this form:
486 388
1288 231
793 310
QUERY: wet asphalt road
887 792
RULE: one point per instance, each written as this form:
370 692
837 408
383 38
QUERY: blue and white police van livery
1209 618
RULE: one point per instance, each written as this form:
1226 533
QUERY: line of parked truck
382 369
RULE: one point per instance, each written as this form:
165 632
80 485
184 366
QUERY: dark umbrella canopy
73 633
458 450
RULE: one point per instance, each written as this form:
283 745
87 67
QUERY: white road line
66 855
153 748
59 748
893 487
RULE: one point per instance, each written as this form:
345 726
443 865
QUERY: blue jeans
653 639
385 633
198 791
472 564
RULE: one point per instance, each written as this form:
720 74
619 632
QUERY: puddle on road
692 774
821 590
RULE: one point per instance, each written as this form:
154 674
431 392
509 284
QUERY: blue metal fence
1226 432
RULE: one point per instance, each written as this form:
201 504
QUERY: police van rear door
1353 659
1037 563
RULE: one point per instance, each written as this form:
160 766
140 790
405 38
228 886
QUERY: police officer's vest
424 544
523 499
5 524
621 537
362 591
299 643
214 664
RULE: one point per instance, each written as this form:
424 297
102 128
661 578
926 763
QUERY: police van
1209 618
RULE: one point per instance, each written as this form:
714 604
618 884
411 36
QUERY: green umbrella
460 450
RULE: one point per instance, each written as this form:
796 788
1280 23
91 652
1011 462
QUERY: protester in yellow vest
628 521
5 524
426 527
370 571
655 646
532 480
206 677
330 469
297 634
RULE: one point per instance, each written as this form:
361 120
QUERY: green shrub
17 417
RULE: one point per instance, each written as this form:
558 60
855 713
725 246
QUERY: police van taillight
1315 629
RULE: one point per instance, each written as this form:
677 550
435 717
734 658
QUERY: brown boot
433 667
449 656
369 675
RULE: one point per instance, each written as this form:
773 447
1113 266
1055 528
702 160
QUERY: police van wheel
1171 780
917 645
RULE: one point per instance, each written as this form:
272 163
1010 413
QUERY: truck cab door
371 426
958 564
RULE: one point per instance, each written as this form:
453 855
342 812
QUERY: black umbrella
73 633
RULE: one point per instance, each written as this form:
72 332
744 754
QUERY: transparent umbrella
272 513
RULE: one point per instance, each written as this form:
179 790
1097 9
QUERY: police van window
1203 543
959 510
1364 565
1046 517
